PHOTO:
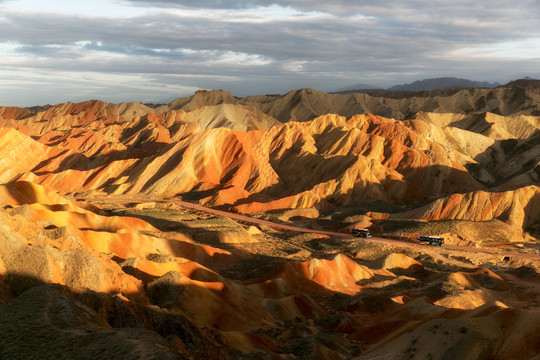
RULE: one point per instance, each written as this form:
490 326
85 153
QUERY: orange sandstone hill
81 284
233 155
96 261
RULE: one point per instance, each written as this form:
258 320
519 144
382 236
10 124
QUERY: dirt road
275 225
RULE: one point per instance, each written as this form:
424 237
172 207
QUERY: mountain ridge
105 250
439 83
306 104
234 155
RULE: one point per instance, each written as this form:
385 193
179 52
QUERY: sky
57 51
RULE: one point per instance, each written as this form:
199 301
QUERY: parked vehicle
431 240
363 233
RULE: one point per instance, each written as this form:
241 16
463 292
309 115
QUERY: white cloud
241 59
36 87
94 8
515 49
257 15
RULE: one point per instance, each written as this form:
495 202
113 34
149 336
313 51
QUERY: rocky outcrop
519 208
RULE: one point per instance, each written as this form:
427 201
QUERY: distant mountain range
442 83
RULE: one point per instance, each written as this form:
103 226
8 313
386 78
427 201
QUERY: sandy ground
301 229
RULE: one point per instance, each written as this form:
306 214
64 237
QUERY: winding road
275 225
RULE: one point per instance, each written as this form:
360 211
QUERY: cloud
381 9
250 47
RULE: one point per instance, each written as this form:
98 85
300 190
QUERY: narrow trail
275 225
